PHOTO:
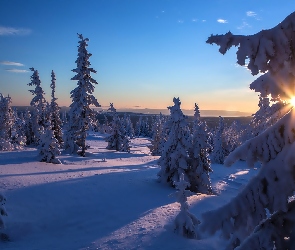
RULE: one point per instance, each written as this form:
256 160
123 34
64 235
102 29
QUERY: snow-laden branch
270 189
266 50
273 232
268 144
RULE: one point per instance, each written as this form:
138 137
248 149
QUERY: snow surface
92 203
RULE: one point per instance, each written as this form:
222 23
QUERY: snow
91 203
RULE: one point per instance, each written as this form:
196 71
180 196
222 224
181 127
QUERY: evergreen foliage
38 103
48 148
185 223
175 159
80 114
117 140
218 153
56 122
200 165
270 51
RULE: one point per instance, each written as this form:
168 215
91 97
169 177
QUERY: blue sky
145 51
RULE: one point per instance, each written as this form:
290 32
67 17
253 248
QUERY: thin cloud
194 20
17 70
251 13
180 21
9 31
204 20
244 25
221 20
8 63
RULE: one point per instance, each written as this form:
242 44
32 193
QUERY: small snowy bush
185 223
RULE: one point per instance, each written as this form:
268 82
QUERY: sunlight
292 101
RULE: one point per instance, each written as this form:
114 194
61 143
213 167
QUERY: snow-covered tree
56 122
128 126
48 147
175 159
156 142
271 51
218 153
28 127
18 137
6 124
106 125
2 213
138 126
233 136
80 114
185 223
200 166
117 140
38 104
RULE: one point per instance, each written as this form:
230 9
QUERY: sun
292 101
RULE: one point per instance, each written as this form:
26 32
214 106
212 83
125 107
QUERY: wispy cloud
221 20
251 13
17 70
10 31
180 21
194 20
11 63
203 21
244 25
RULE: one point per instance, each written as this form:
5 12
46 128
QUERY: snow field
89 203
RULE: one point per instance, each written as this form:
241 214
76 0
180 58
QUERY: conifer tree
3 212
138 127
174 160
28 127
218 153
261 215
185 223
157 128
117 140
48 147
80 114
200 166
56 122
6 124
38 104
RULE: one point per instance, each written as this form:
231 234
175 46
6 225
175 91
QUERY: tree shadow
73 213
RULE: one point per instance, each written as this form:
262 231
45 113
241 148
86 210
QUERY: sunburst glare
292 101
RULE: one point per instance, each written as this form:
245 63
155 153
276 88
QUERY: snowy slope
89 203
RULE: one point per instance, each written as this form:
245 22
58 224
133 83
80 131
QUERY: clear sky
145 51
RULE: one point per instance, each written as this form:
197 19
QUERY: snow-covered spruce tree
233 136
18 138
106 125
175 159
48 147
157 127
117 140
28 127
218 153
138 126
6 124
3 212
267 114
200 166
128 126
56 122
80 114
38 104
185 222
145 127
270 51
